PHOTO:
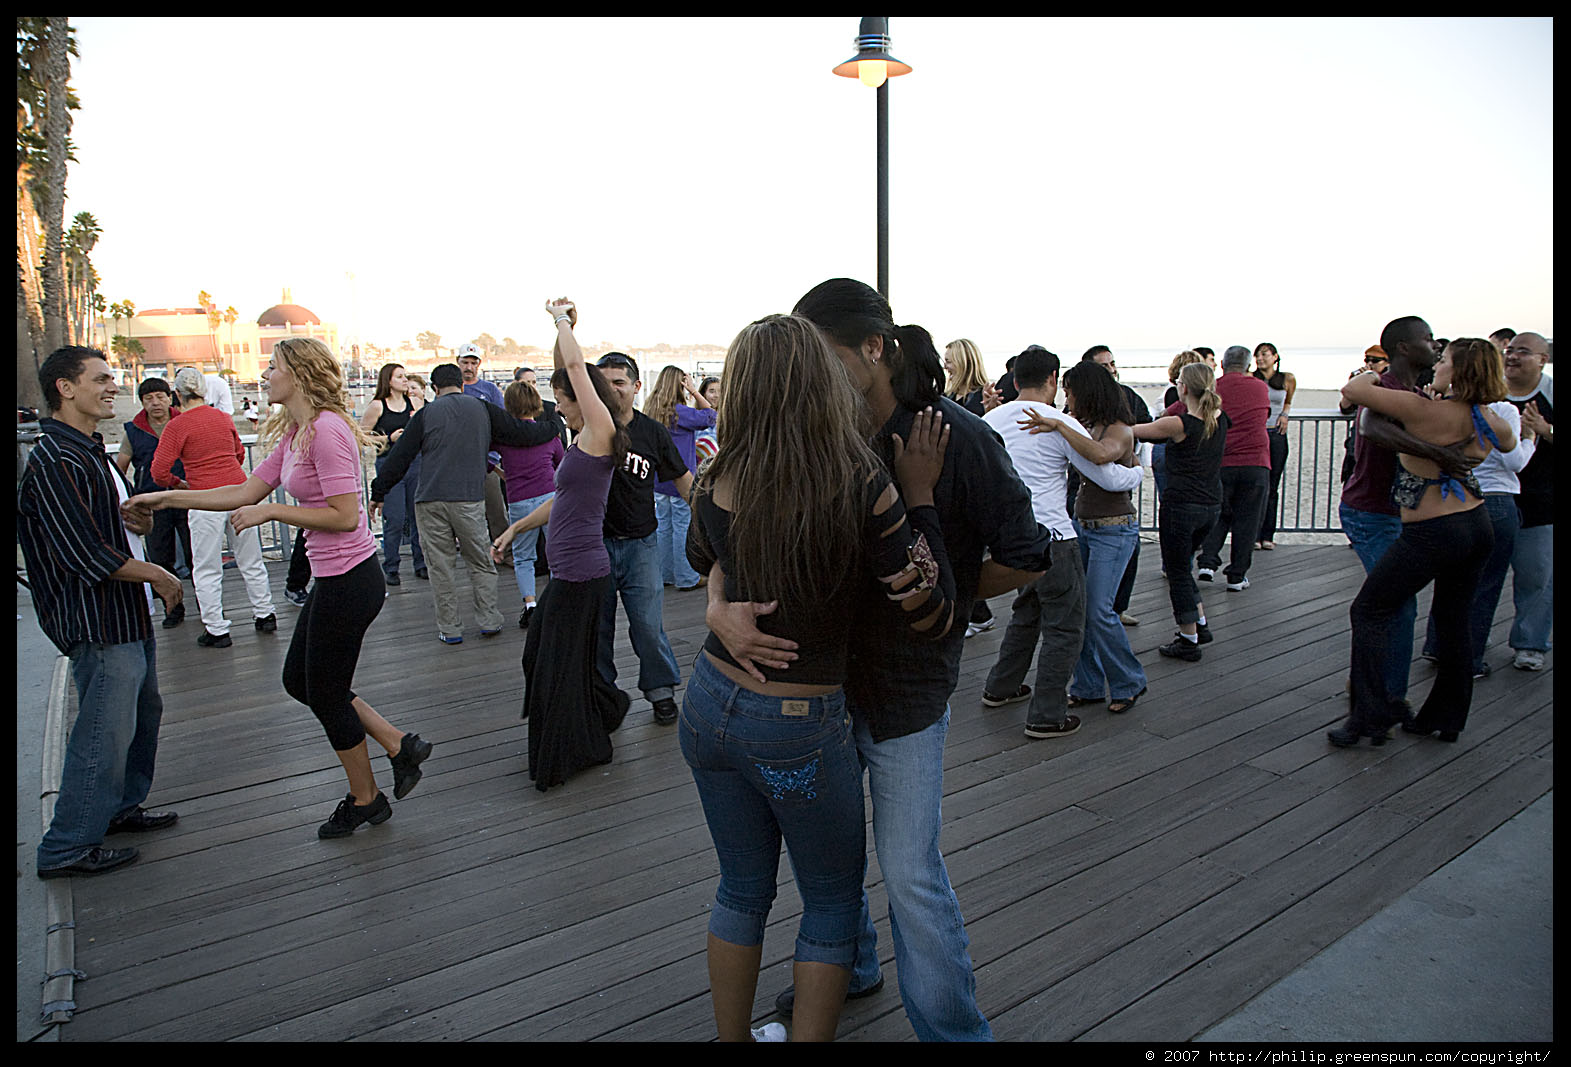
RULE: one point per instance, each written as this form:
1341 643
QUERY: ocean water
1316 369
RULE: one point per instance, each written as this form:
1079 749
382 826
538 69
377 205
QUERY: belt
1111 520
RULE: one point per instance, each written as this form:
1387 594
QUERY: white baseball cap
469 350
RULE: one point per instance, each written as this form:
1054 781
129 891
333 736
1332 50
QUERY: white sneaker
770 1032
1528 660
974 628
1206 574
1128 619
1242 583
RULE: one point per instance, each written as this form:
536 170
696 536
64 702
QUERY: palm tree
231 316
80 241
99 307
427 339
57 124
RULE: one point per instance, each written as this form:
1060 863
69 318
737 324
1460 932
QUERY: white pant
208 529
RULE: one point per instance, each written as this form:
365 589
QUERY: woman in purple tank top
570 708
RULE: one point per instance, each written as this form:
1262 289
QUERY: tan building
179 337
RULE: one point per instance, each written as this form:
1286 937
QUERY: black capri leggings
322 656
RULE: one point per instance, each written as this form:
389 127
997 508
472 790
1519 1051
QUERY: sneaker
393 579
420 572
1429 657
1242 583
770 1032
449 640
406 765
1482 672
174 618
1128 619
1182 648
1528 659
523 617
490 633
1206 574
295 597
665 711
97 861
212 640
267 624
1203 634
1023 693
348 816
141 820
974 628
1044 730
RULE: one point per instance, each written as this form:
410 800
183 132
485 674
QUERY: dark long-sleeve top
452 434
893 544
68 523
902 686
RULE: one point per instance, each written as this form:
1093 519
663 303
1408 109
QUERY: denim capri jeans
767 769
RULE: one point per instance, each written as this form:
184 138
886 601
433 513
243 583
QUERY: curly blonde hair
320 379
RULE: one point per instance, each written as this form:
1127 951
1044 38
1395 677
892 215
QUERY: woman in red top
204 440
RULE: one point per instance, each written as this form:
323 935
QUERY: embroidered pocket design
799 780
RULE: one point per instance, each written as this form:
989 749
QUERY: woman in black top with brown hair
1193 500
1280 387
796 510
392 406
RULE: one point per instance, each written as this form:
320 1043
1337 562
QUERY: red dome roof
280 314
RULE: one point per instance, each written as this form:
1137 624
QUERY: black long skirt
570 708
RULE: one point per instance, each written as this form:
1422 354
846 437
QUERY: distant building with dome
179 337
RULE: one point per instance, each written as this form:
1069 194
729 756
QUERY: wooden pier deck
1142 879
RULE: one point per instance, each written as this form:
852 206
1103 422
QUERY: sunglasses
1372 360
614 361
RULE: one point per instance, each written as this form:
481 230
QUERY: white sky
1132 182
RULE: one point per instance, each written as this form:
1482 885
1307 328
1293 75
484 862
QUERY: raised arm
599 427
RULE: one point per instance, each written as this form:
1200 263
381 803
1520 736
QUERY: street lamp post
873 66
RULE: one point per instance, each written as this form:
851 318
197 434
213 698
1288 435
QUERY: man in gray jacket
451 435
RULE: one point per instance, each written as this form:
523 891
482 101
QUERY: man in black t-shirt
632 541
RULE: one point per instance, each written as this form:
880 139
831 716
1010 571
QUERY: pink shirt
330 466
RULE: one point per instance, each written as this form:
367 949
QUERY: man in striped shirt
89 580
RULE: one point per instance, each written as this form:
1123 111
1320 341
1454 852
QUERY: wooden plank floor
1140 880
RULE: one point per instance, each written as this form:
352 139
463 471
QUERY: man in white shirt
218 394
1052 609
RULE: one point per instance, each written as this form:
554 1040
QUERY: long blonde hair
970 375
1199 381
792 453
320 379
663 398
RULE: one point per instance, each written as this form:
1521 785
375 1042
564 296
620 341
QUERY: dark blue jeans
1505 518
635 570
398 519
769 768
109 756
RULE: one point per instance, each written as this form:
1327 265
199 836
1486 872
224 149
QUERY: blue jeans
932 952
1159 466
1107 665
673 515
1533 587
525 544
767 769
398 513
1503 516
1372 535
113 745
635 570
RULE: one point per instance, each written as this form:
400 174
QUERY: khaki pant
463 521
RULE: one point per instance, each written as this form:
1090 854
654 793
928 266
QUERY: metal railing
1310 494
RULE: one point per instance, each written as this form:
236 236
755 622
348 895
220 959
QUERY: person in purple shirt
530 473
672 514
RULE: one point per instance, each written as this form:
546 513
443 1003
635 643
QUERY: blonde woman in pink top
317 460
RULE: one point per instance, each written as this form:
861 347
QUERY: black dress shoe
140 820
97 861
665 711
785 1003
174 617
420 572
267 624
212 640
1348 736
393 579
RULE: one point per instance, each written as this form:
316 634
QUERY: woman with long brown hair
672 515
1446 539
317 460
796 509
529 480
571 709
392 405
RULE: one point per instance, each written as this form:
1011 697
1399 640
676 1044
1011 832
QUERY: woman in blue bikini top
1469 374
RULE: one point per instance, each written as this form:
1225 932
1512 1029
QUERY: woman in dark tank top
392 405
